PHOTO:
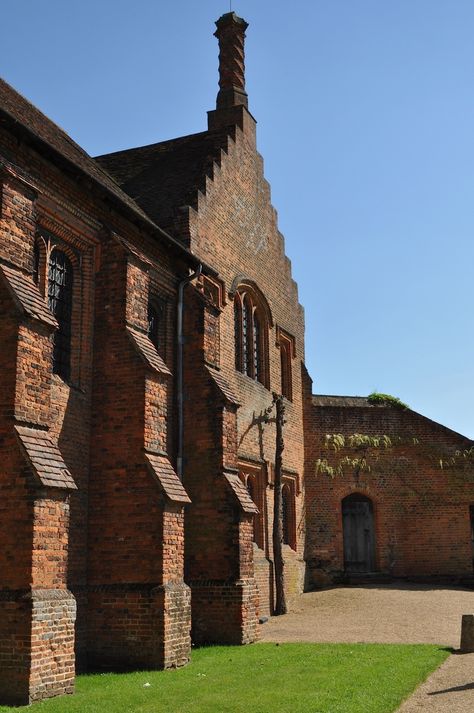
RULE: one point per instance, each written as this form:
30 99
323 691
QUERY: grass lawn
263 678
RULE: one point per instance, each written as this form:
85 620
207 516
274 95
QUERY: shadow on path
466 687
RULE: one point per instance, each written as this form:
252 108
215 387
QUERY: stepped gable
163 177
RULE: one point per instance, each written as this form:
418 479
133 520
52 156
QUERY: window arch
60 284
251 339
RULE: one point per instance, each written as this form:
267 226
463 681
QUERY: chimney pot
231 35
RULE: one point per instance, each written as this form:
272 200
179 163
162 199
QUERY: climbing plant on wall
361 452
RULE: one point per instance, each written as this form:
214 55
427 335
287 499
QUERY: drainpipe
179 368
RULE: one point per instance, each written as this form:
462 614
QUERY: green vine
459 459
361 444
365 453
386 400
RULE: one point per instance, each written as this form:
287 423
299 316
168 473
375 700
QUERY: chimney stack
231 35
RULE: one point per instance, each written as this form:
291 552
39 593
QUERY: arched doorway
358 533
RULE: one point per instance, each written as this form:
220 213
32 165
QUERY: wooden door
358 533
471 513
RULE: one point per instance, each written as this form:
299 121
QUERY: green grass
264 678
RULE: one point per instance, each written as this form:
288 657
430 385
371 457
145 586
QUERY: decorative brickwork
231 35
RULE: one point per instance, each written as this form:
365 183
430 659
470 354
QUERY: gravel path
450 689
402 613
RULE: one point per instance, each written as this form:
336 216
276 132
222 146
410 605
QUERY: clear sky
365 115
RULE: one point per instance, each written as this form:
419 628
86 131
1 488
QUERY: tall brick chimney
231 35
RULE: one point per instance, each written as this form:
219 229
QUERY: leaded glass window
256 347
249 337
156 323
238 332
60 282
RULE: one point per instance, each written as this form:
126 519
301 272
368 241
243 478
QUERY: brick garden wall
421 512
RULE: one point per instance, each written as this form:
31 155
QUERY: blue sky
365 117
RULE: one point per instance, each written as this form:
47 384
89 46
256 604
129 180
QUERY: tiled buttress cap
44 458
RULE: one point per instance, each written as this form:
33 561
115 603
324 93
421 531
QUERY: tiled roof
22 111
147 351
15 111
163 177
241 493
167 478
44 458
223 386
27 296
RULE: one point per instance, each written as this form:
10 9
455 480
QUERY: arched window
286 514
156 322
250 336
60 282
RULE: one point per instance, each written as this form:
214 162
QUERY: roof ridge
176 140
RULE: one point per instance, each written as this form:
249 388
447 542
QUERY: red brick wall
421 512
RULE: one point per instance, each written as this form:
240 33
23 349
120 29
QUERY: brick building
148 313
141 343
